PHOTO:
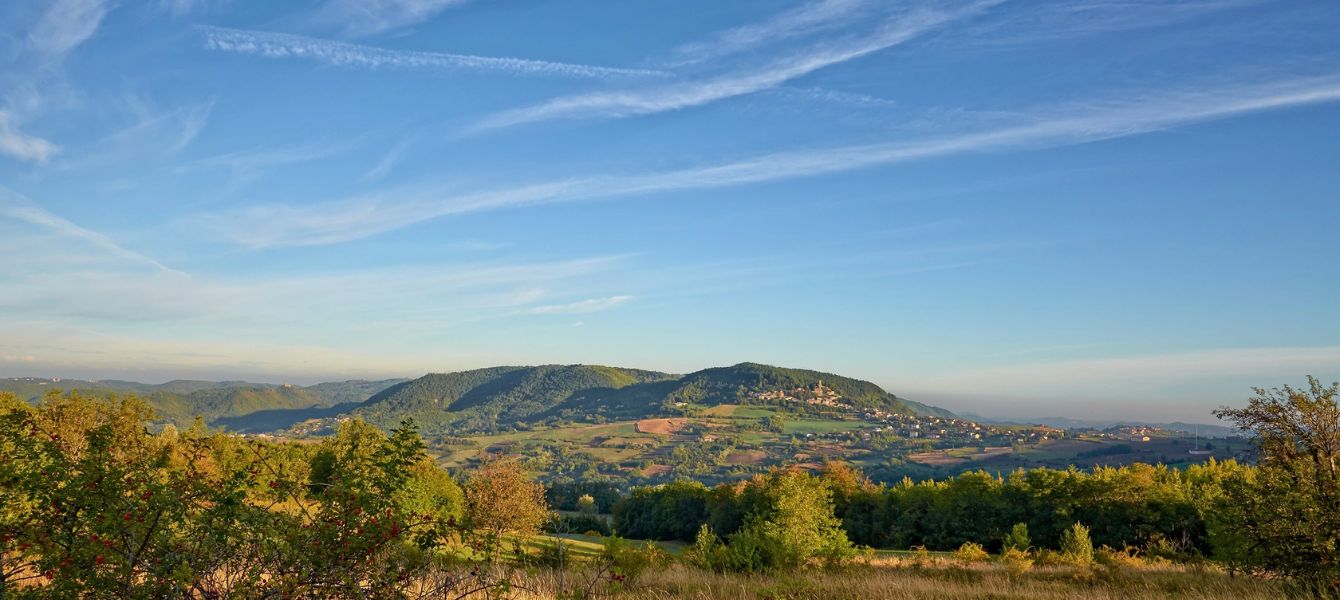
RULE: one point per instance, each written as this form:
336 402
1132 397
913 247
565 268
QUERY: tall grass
909 579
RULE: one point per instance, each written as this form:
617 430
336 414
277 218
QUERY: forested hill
487 399
237 405
503 397
724 385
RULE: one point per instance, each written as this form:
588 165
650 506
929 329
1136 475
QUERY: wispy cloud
616 104
1035 22
22 146
388 161
802 20
18 207
581 307
441 294
251 164
369 17
173 129
179 8
66 24
342 54
154 132
1050 126
838 97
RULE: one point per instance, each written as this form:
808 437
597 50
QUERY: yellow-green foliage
1076 547
971 552
1016 561
1128 557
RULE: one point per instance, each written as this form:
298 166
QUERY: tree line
1279 517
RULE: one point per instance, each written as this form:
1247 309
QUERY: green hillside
726 385
487 399
481 400
498 398
238 405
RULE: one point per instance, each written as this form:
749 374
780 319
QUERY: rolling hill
480 400
498 398
236 405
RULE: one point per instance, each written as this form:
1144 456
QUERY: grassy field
957 582
902 578
811 426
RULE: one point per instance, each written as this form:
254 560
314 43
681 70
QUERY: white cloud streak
66 24
581 307
1063 19
18 207
369 17
802 20
363 216
342 54
22 146
249 165
617 104
388 161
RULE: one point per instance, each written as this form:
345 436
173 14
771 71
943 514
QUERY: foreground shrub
627 562
1128 557
96 506
971 552
1076 547
1016 561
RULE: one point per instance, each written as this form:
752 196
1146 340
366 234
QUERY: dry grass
958 582
924 577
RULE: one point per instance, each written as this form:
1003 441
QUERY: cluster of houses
924 427
817 396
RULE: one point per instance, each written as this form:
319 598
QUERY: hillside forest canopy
99 499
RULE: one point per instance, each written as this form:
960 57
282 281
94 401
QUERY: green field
817 427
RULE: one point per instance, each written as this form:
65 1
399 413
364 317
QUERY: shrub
707 551
1017 538
1127 557
1016 561
971 552
1076 546
922 559
627 562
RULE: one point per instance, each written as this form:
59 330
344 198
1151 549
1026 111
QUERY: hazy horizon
1059 207
1021 408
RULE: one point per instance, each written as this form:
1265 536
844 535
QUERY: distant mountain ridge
487 399
225 403
1208 430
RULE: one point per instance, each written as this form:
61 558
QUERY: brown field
991 451
747 457
720 410
936 459
661 426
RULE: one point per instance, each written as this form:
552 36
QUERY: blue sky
1101 209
